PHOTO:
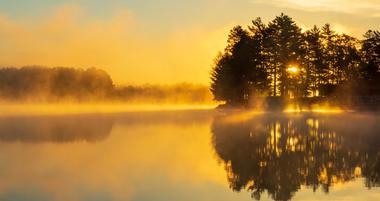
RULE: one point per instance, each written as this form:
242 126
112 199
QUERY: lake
190 155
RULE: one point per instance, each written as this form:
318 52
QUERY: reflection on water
279 154
185 155
55 128
89 128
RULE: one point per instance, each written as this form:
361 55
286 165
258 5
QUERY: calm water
190 155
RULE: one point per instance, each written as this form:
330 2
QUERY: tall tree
371 57
285 46
329 37
237 74
347 57
316 70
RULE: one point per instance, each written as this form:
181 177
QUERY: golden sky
149 41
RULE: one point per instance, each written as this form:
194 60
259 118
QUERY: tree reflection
58 129
280 153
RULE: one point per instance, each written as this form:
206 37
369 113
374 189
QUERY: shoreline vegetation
277 65
36 84
37 90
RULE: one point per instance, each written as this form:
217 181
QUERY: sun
292 69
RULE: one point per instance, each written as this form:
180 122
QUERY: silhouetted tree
286 48
238 73
328 64
316 70
371 56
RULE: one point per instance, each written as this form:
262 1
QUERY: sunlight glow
239 116
314 109
292 69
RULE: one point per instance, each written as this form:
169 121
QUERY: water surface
190 155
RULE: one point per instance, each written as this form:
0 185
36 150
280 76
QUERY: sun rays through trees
279 59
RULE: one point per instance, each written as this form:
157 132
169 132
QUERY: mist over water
190 155
65 85
56 129
123 101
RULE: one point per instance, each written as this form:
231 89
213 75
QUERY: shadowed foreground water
190 155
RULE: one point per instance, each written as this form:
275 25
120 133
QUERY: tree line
175 93
42 84
279 59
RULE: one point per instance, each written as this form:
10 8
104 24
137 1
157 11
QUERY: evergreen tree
324 63
237 74
286 46
370 74
316 70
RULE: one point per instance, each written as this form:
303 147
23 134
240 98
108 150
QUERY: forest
281 61
64 84
43 84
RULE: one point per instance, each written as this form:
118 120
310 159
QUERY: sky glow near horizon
149 41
